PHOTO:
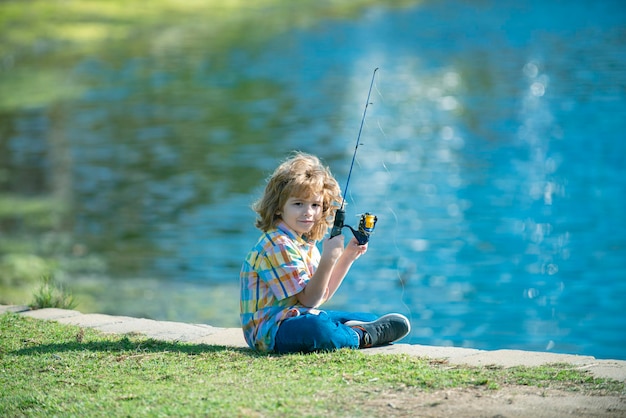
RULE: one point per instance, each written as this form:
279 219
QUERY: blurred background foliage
66 31
55 53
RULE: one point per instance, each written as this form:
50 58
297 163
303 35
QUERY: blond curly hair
302 175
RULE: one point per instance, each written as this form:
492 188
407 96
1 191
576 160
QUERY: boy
284 278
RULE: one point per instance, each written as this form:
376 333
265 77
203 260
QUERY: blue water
492 155
493 158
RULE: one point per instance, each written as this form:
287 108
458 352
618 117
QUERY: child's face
301 214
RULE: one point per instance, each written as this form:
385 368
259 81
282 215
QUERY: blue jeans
323 332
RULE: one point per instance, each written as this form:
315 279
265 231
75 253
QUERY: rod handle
340 217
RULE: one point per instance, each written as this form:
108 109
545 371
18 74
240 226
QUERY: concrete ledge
51 313
424 351
512 358
13 308
233 337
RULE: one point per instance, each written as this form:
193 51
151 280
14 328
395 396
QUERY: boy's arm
352 251
317 289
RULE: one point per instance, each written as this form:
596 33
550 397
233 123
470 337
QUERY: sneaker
385 330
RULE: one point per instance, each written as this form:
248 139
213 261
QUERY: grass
51 294
50 369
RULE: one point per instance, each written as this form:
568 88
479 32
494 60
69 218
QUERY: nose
310 209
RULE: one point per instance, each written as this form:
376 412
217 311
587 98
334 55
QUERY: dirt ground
506 402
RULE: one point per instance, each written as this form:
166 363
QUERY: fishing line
399 274
368 221
358 138
379 93
385 135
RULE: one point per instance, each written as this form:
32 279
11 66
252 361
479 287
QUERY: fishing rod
367 221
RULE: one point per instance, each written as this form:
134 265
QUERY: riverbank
195 345
206 334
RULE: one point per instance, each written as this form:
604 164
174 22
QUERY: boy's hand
354 249
332 248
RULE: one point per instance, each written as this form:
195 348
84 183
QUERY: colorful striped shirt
276 269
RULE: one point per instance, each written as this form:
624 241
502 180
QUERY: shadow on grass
126 345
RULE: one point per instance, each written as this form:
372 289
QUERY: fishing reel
365 229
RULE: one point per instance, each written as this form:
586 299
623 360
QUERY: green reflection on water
125 105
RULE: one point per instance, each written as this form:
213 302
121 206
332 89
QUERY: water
492 156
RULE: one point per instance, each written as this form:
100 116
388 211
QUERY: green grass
51 294
50 369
